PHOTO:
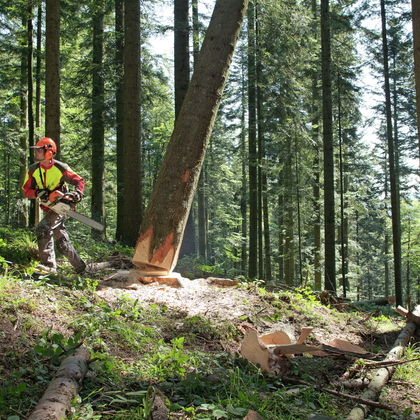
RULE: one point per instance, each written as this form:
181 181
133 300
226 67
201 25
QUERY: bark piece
64 386
287 349
346 346
276 338
163 225
304 334
383 374
254 350
223 282
253 415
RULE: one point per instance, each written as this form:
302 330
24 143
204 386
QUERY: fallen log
409 315
383 374
64 386
390 300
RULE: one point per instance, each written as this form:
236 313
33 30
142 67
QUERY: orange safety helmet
48 145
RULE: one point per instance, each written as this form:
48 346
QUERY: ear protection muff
48 152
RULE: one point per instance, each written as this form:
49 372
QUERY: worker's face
39 154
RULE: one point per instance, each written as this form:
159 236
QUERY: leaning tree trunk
162 229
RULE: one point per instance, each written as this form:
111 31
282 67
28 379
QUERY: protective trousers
51 228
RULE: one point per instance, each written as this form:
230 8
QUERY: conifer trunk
329 215
166 214
289 258
133 203
415 8
119 104
396 224
182 79
244 200
22 213
98 128
252 150
52 72
201 198
315 188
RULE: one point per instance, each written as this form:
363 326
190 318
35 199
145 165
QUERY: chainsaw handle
57 195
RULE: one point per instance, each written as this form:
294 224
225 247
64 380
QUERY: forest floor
185 342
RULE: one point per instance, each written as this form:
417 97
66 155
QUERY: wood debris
269 350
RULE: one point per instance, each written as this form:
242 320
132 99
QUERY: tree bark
315 188
252 150
119 104
396 223
329 214
62 389
415 8
162 230
98 129
201 190
34 121
52 73
23 160
133 203
182 79
289 258
244 200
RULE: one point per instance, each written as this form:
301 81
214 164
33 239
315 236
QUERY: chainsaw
63 204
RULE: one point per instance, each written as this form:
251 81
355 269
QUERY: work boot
45 269
80 269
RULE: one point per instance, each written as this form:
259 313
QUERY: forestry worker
43 177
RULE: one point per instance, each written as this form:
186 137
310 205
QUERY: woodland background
270 196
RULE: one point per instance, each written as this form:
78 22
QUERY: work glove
77 196
42 194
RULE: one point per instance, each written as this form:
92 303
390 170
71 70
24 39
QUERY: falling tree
161 232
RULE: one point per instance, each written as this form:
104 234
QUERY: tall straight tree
393 176
329 215
31 120
119 105
415 8
201 197
52 72
133 204
182 79
252 148
263 218
23 120
315 122
98 108
161 232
